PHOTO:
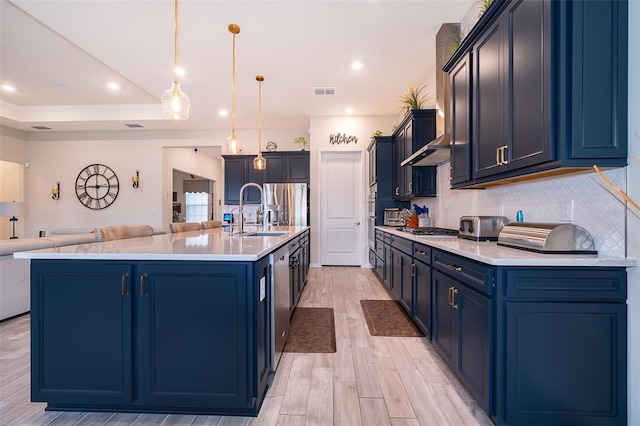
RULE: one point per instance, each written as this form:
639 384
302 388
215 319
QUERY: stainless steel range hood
435 152
438 151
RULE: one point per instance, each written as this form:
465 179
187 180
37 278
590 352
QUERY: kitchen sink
265 234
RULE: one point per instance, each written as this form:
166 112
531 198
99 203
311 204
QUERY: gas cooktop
430 231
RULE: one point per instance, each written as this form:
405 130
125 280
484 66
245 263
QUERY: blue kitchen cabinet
189 337
388 263
462 334
417 128
299 257
549 82
287 167
187 314
402 270
562 346
512 90
81 332
422 287
460 78
238 170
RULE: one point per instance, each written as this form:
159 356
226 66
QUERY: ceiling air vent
41 127
324 90
133 125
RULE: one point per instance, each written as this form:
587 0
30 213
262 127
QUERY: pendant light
175 103
259 163
233 145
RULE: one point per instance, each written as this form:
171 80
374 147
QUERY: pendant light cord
175 42
234 29
260 79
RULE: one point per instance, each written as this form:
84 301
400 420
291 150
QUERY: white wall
59 156
321 129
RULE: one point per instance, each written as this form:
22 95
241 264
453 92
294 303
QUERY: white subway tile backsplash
594 208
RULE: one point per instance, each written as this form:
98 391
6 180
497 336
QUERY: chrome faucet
240 212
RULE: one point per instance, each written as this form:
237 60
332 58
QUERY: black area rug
387 318
312 330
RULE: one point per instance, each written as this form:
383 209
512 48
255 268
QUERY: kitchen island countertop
491 253
203 245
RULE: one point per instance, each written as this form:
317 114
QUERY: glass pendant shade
259 163
233 144
175 103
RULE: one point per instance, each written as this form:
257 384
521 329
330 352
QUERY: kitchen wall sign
342 138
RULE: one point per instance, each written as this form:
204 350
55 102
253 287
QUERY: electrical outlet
566 210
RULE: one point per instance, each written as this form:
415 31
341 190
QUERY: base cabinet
562 361
150 336
462 320
532 345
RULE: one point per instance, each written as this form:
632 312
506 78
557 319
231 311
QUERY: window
197 206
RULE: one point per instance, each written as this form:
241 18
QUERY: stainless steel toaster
481 228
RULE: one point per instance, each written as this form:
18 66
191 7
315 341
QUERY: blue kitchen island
176 323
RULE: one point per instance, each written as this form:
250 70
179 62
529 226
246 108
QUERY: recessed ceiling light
348 110
8 88
356 65
223 113
180 71
113 85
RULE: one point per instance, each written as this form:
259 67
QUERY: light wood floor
397 381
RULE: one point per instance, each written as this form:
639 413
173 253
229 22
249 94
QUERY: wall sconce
55 191
136 179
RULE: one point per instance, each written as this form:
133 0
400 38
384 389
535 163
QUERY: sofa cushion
23 244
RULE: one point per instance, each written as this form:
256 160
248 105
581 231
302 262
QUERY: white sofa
15 273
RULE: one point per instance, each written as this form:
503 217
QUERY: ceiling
60 55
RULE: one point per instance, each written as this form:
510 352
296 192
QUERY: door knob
357 223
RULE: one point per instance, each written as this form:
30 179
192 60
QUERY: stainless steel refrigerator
286 204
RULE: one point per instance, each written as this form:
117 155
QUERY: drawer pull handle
143 291
125 278
454 291
421 252
455 268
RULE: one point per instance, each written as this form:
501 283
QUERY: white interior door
341 207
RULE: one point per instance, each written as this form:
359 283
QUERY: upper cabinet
238 170
416 130
287 167
542 87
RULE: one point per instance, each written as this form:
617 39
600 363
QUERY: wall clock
97 186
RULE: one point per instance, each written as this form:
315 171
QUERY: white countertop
206 244
491 253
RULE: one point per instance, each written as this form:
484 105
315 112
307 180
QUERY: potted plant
414 98
301 140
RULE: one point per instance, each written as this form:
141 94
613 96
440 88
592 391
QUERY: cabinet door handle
498 161
454 291
413 269
450 294
143 279
410 186
397 190
123 288
454 267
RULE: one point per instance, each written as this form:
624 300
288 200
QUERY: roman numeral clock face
97 186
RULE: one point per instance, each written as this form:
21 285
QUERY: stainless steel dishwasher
280 308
